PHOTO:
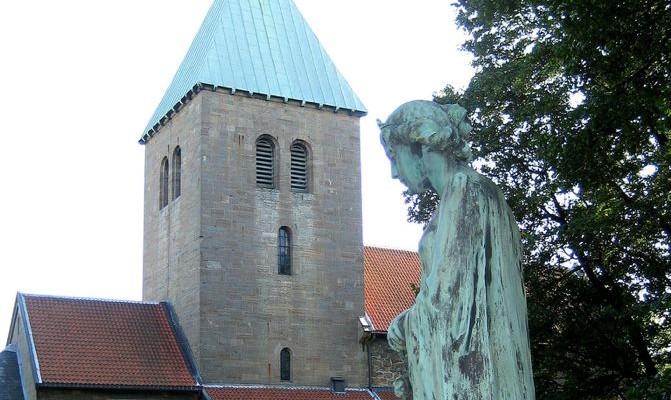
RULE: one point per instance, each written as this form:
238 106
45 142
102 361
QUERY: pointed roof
105 344
263 47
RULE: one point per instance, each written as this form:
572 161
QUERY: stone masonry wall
249 312
213 251
171 258
387 365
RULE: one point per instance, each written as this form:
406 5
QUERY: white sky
79 80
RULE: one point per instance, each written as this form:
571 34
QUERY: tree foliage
571 107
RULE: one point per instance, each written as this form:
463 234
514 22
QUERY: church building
256 283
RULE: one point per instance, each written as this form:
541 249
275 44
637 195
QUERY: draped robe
466 337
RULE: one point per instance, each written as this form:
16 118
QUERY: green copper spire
263 47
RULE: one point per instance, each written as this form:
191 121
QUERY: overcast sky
79 80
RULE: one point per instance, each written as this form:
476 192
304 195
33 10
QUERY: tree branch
611 296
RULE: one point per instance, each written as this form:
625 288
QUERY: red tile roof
103 343
83 342
283 393
388 278
386 394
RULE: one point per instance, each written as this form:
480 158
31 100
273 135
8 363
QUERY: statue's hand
396 340
396 334
402 388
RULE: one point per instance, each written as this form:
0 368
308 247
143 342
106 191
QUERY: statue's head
443 128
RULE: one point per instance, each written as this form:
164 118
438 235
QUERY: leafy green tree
571 105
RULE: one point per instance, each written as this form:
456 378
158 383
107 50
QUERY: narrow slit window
284 251
176 173
265 160
163 185
285 364
299 168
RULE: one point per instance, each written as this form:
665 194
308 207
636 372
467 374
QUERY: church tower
252 209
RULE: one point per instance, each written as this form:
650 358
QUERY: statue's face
406 166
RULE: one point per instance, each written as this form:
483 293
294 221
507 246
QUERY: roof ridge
277 386
30 339
92 299
182 342
382 247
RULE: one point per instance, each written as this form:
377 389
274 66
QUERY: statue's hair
443 128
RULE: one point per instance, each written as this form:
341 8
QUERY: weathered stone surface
387 365
213 251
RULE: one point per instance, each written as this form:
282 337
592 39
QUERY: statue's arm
396 334
396 337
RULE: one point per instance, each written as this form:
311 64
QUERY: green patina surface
263 47
466 337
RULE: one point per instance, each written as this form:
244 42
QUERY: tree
571 107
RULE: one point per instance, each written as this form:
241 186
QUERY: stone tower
252 226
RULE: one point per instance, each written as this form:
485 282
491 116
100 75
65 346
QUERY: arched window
284 251
265 163
176 173
163 185
299 167
285 364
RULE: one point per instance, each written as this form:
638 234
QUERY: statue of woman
466 336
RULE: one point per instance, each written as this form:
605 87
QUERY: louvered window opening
299 168
265 176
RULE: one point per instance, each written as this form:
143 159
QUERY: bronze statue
466 336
